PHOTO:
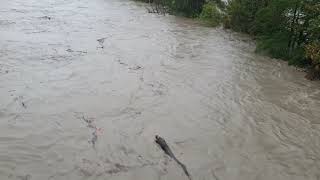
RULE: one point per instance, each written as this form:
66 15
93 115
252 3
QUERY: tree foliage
187 7
288 29
313 52
211 14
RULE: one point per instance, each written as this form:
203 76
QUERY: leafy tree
243 12
189 8
211 14
285 29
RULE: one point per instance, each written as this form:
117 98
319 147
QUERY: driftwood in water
164 146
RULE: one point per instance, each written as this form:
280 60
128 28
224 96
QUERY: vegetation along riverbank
284 29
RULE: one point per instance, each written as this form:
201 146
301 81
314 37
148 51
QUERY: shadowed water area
85 85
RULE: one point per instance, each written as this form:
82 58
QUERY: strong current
85 85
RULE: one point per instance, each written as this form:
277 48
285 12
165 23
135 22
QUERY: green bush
313 52
276 46
188 8
211 14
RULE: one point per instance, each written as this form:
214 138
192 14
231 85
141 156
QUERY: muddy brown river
85 85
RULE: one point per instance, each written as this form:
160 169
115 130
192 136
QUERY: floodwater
85 85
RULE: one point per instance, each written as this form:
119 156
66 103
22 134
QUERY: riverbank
293 37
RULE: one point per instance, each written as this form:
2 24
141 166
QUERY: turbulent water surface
85 85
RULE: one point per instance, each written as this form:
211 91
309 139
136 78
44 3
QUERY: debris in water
122 63
80 52
117 169
23 105
101 41
164 146
26 177
69 50
46 17
95 133
89 122
94 138
135 68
